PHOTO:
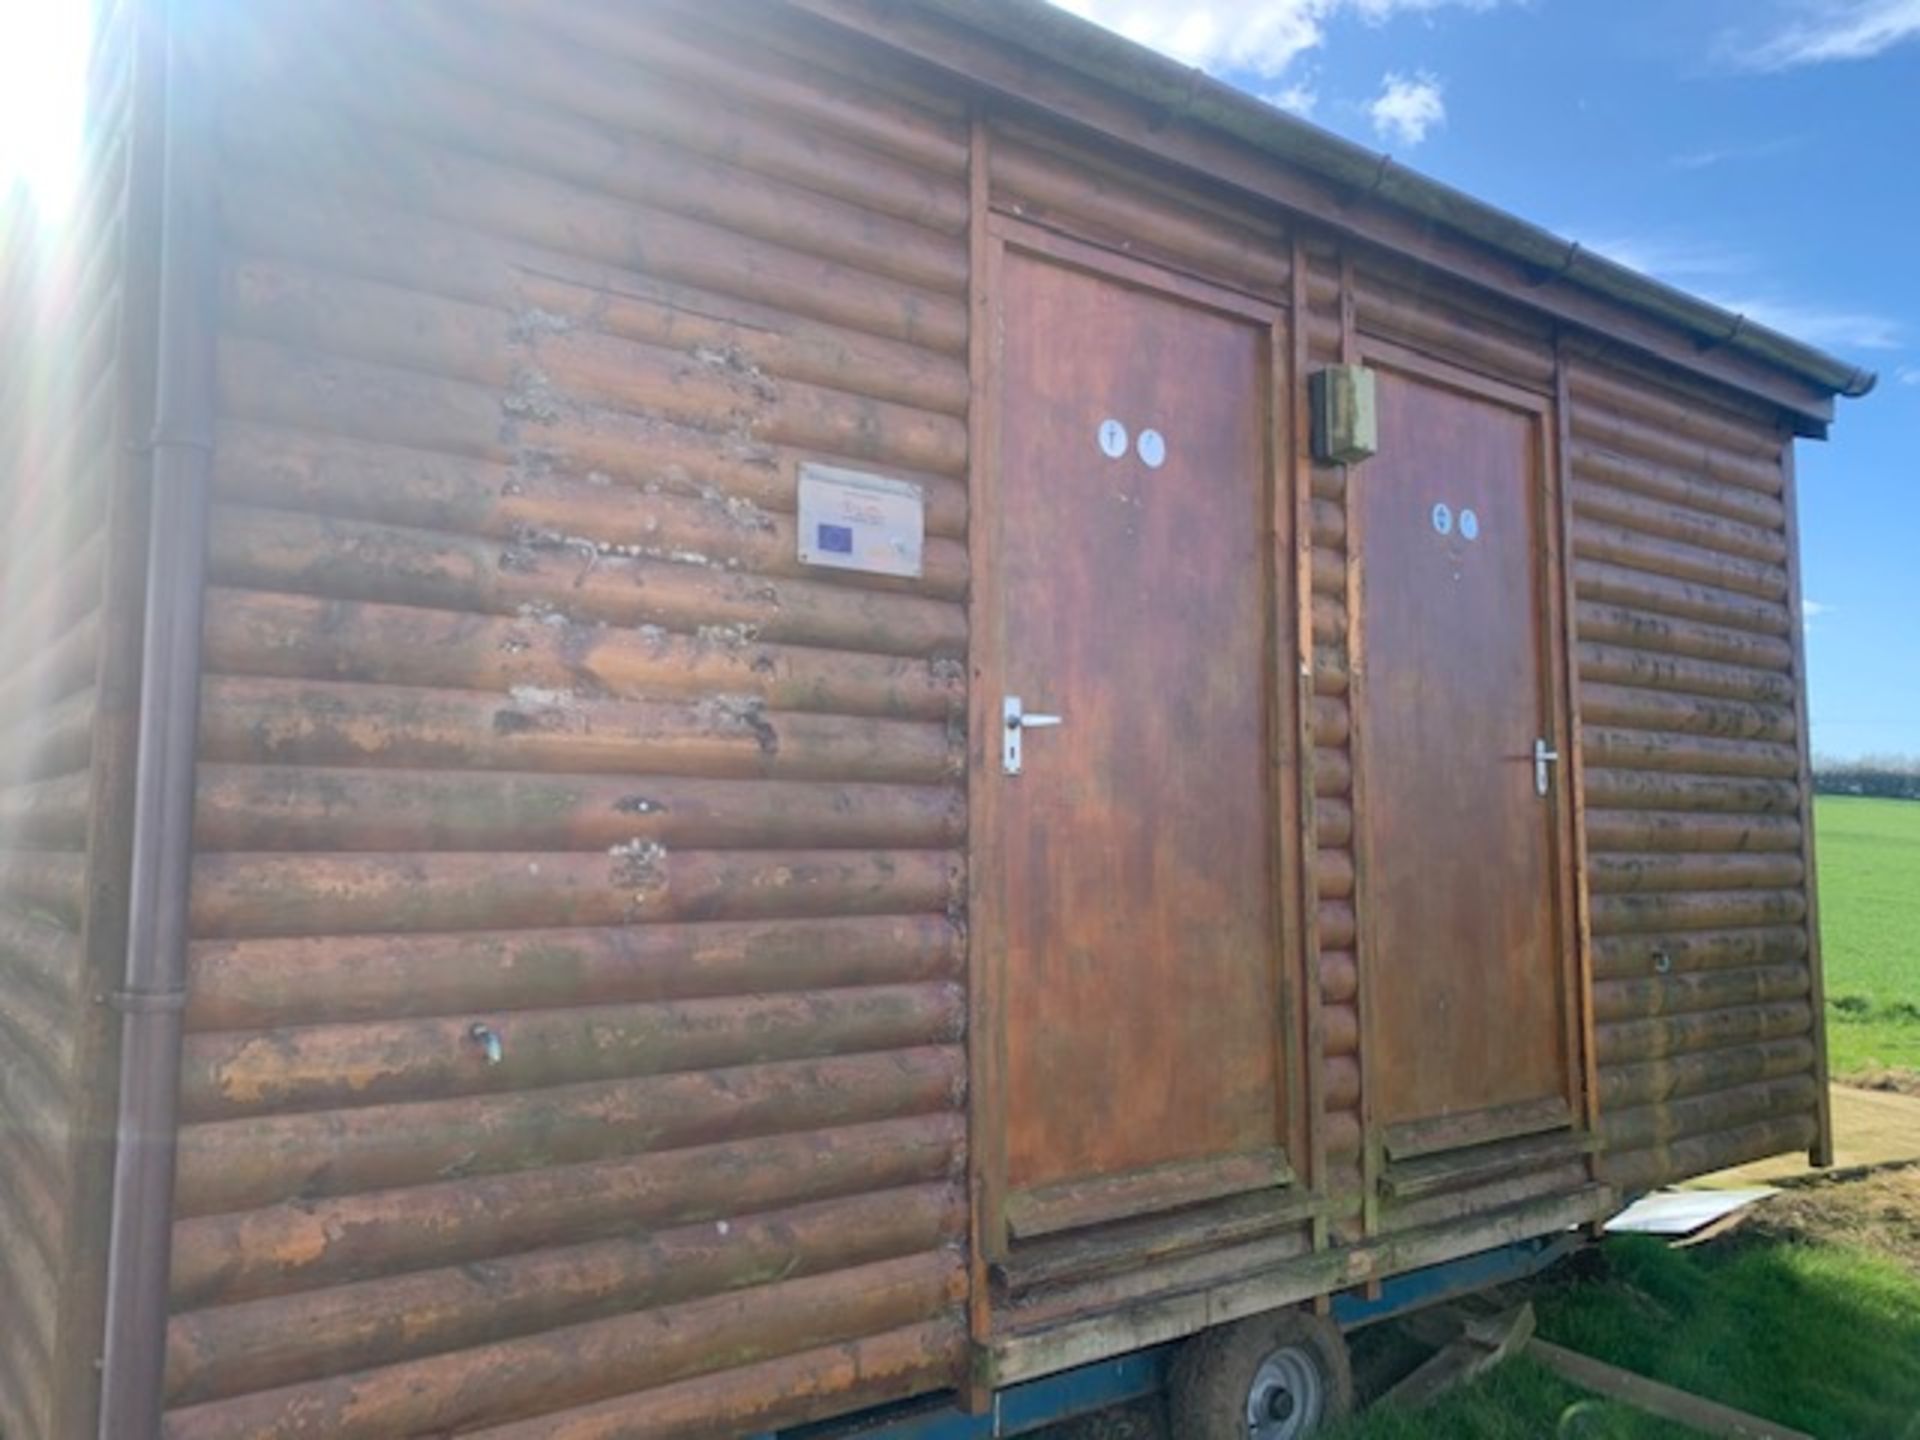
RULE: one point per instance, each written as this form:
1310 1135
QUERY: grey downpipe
153 992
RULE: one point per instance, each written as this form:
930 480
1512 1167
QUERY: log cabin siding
70 574
520 714
1326 319
576 1027
1487 345
1698 803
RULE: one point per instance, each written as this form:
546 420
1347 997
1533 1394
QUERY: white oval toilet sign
1113 439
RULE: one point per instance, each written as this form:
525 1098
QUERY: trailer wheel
1280 1376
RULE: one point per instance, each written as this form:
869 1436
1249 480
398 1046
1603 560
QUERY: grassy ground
1820 1337
1870 932
1810 1316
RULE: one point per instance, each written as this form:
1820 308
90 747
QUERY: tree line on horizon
1890 777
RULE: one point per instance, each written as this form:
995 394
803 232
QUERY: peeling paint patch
639 864
536 695
532 323
532 398
741 712
731 637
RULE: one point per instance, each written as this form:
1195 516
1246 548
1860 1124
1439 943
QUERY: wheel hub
1286 1397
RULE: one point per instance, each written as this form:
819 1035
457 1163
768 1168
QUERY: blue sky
1763 153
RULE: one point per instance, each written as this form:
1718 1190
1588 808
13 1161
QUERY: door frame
995 234
1556 640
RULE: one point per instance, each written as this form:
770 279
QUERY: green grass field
1869 857
1818 1337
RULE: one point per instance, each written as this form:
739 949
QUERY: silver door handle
1016 721
1542 757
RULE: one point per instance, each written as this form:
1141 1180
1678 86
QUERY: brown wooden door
1468 993
1130 872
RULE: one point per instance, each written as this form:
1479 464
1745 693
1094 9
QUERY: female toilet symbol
1443 519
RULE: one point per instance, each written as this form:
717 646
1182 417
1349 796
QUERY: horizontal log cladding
249 724
266 984
1617 665
546 658
524 205
1690 705
1116 205
353 560
1629 955
586 1362
303 1245
1716 1149
285 807
703 386
1648 996
276 983
238 894
576 996
810 1385
227 1166
1702 1071
66 631
330 1067
354 1327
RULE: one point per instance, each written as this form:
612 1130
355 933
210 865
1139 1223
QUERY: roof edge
1188 93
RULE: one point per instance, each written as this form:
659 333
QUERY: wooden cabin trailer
538 537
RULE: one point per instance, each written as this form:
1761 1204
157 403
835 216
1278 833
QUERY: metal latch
1542 757
1015 721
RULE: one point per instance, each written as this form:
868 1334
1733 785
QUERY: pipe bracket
147 1002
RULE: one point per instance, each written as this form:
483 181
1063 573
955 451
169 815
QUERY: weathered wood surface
525 728
1689 683
69 574
1325 320
1708 1417
576 1008
1142 1041
1483 1342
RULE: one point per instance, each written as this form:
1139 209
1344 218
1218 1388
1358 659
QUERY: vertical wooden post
1285 739
1582 1062
1370 1157
1299 475
985 1034
1821 1152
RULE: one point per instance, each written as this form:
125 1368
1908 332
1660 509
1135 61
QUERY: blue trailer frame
1090 1388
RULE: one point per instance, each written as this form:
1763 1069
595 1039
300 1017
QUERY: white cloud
1712 155
1908 374
1824 30
1262 37
1677 260
1737 281
1833 327
1300 97
1407 107
1812 610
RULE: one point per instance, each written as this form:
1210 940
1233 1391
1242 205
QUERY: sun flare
43 63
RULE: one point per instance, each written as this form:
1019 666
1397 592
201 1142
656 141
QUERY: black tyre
1281 1376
